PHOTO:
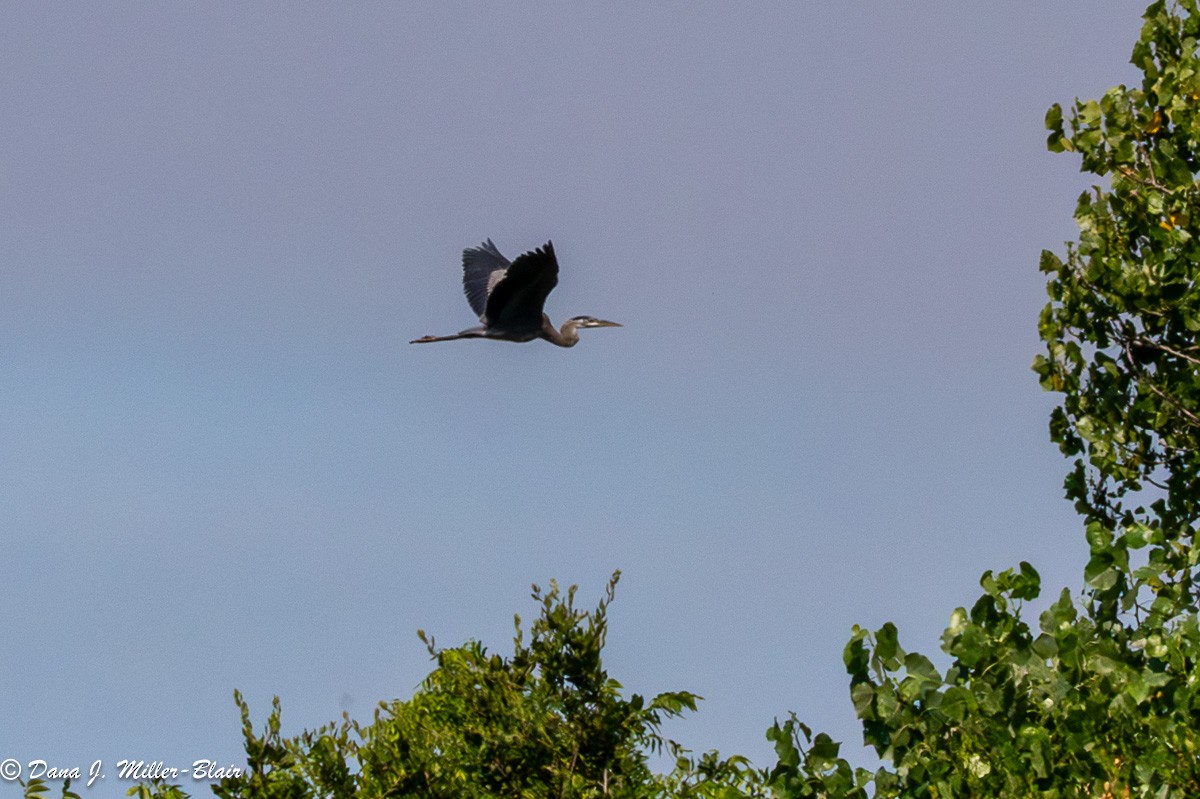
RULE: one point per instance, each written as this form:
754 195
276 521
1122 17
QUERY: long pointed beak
603 323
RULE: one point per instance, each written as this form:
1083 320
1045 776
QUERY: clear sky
223 466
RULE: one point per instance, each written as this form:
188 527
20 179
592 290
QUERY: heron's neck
567 337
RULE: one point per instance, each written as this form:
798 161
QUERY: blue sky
224 467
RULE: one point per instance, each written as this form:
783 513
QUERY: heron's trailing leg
427 339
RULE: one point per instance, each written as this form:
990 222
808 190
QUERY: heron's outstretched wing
483 268
515 302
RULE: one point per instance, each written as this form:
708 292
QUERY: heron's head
580 322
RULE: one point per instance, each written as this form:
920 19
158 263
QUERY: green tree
1100 698
546 722
1121 327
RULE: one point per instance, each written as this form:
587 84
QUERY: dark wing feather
483 268
515 302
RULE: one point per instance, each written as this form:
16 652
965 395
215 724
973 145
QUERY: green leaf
862 696
957 703
1028 584
1099 537
785 746
887 646
1056 142
971 646
824 747
1099 573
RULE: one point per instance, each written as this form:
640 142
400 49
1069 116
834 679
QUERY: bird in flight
509 298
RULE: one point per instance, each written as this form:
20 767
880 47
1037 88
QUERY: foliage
38 788
546 722
1071 708
1102 698
1122 325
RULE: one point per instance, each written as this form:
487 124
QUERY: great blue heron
509 297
